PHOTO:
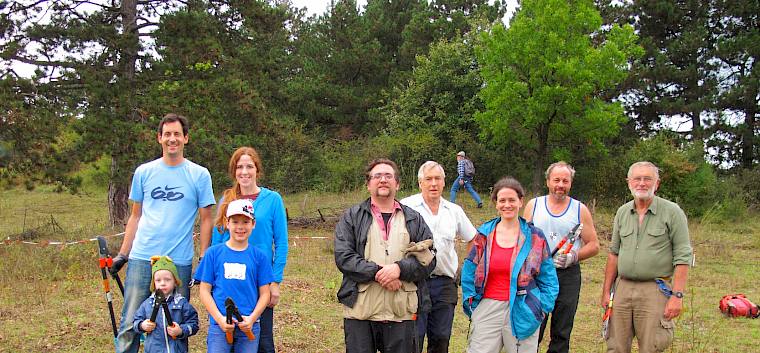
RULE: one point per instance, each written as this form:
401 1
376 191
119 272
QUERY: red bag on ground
737 305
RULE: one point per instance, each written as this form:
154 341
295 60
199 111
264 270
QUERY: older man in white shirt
446 220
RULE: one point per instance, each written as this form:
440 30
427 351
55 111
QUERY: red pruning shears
105 262
232 311
158 303
570 239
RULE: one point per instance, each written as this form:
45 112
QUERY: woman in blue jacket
270 234
508 280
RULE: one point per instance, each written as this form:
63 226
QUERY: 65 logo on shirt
166 193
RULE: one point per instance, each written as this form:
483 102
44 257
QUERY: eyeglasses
379 176
640 179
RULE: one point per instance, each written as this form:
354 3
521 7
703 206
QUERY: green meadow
52 299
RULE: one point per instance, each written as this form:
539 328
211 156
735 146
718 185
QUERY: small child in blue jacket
164 336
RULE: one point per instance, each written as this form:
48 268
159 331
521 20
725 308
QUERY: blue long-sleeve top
270 234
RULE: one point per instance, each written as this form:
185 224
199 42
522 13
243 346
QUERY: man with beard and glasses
556 214
649 255
384 276
166 195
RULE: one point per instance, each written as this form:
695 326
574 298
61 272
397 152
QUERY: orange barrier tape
53 242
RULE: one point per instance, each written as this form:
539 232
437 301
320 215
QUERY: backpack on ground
737 305
469 168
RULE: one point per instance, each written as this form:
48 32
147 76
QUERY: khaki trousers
638 310
491 330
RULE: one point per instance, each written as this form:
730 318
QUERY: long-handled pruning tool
569 240
232 311
105 262
607 315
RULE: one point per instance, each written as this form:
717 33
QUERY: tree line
596 83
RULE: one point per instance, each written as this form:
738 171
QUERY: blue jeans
467 186
216 341
136 290
266 341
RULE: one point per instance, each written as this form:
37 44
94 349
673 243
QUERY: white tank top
555 227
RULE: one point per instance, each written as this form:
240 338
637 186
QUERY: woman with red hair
271 232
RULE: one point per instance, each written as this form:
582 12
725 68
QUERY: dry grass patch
51 299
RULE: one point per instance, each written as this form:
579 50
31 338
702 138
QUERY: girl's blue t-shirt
235 274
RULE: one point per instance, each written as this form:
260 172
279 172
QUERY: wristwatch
678 295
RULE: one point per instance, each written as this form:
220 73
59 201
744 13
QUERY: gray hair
427 166
644 164
560 164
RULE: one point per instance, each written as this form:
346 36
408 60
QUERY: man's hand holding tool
564 256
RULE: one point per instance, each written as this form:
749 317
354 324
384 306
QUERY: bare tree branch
43 62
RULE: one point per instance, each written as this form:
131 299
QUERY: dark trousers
266 338
437 323
363 336
563 314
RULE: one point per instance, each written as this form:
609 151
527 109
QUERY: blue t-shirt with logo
170 198
235 274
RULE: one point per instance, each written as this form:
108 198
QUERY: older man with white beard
649 255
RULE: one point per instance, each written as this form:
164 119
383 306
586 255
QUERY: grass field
51 299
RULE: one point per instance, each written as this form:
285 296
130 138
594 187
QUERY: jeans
436 324
468 186
216 341
266 339
136 290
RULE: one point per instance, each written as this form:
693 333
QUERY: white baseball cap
461 153
240 207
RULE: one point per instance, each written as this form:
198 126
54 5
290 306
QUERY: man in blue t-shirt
166 195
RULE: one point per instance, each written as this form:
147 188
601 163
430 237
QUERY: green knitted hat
158 262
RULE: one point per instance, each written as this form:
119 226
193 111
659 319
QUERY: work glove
193 281
118 263
565 260
421 251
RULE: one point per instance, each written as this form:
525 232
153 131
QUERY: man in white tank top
556 214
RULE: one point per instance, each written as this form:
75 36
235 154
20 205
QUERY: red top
250 197
499 266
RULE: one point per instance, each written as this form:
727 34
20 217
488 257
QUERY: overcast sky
313 7
318 7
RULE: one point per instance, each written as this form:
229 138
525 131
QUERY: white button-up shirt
450 221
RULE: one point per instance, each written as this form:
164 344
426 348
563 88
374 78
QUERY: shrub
748 181
686 178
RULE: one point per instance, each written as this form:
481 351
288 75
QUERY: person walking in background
556 214
465 173
649 255
446 220
384 276
166 195
270 234
509 283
